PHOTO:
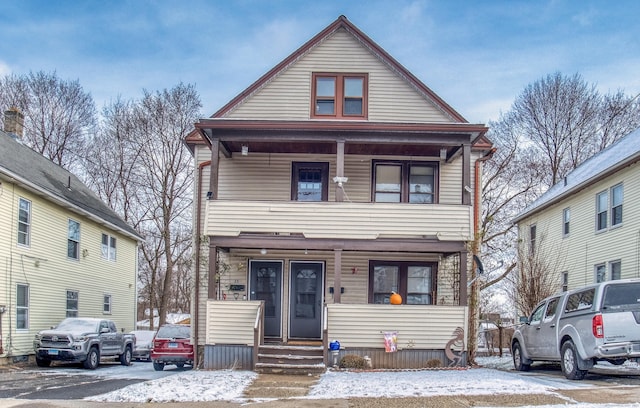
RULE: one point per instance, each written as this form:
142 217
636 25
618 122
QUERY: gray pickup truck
83 340
580 327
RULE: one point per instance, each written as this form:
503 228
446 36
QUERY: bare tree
138 163
164 119
59 115
559 115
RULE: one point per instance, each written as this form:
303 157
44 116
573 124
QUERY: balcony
338 220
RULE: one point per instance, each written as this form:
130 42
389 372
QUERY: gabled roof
36 173
342 22
622 153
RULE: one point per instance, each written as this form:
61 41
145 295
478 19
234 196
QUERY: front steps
289 359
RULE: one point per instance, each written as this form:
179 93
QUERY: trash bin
334 347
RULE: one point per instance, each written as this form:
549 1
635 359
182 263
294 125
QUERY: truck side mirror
105 330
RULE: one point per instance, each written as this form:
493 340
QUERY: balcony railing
339 220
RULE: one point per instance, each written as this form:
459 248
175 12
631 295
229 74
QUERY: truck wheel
93 359
125 358
517 358
41 362
569 362
158 366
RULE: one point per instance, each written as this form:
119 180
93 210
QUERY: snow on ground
229 385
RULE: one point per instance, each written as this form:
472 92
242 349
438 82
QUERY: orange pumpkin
395 299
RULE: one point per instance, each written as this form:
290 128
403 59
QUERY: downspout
196 300
478 189
473 296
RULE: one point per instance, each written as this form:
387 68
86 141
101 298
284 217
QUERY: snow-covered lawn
229 385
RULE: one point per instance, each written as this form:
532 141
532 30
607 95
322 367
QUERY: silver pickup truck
83 340
582 326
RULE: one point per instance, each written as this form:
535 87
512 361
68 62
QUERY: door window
310 181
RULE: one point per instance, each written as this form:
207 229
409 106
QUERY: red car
172 345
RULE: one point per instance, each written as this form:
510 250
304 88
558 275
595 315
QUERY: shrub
434 363
352 361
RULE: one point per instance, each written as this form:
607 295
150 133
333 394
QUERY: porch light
245 150
443 154
263 251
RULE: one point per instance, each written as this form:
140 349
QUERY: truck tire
93 359
518 362
569 362
158 366
125 358
43 362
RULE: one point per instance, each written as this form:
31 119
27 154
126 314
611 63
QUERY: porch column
213 270
463 279
337 275
466 174
339 170
215 169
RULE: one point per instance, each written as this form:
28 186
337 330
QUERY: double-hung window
609 207
108 247
405 182
615 268
339 95
73 240
106 304
414 281
617 197
24 222
72 303
22 306
566 219
600 273
533 232
602 208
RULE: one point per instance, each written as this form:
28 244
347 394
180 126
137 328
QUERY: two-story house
587 227
63 252
334 180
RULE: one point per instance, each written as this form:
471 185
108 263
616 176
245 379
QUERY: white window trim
27 307
109 252
28 223
69 239
110 303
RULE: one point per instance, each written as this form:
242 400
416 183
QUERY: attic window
341 96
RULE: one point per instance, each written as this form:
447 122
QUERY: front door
266 284
305 302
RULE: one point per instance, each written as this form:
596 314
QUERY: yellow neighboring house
63 252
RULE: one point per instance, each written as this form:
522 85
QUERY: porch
235 333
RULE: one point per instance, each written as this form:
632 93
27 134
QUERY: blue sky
476 55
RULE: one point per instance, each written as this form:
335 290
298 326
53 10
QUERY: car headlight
80 338
38 336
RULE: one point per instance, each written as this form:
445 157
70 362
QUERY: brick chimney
14 122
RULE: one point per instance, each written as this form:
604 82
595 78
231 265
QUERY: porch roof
360 137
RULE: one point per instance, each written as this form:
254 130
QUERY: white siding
288 95
584 248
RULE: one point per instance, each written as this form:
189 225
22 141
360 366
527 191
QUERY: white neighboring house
589 223
63 252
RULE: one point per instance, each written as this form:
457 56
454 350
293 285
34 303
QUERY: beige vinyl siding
579 252
267 177
288 95
365 325
230 322
44 266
